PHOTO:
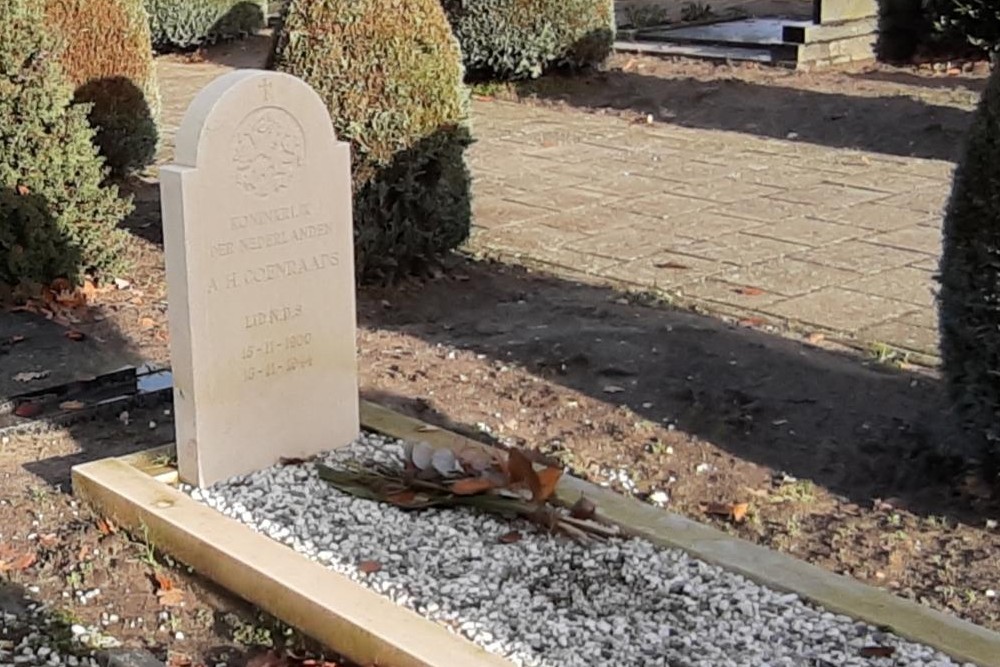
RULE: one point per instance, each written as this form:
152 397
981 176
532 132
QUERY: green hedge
106 55
515 39
974 21
969 298
189 23
392 81
58 216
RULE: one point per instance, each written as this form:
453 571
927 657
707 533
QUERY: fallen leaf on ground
22 190
18 563
30 376
163 582
510 538
671 265
750 291
548 479
816 338
427 428
107 527
14 340
49 540
369 566
72 405
403 498
171 598
75 335
147 323
28 410
613 389
752 322
877 651
470 486
733 511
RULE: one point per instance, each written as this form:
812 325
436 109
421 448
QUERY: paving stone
917 237
766 209
840 309
524 237
625 183
733 294
929 201
903 333
490 212
630 242
705 225
932 264
742 249
663 270
903 284
886 181
662 205
592 220
808 231
830 195
876 216
725 190
561 198
787 276
860 256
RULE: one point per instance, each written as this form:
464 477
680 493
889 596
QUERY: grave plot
258 240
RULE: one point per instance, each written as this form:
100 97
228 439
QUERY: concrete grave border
137 492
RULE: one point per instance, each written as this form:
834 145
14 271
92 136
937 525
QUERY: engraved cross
265 87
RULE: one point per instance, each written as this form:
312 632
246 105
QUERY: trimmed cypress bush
969 298
189 23
391 75
58 217
106 55
975 21
515 39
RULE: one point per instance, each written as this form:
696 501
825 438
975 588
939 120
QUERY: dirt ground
836 454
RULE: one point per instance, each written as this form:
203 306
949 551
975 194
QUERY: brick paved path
825 238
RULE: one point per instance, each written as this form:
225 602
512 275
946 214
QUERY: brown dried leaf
510 538
877 651
520 470
671 265
739 511
403 498
470 486
147 323
106 526
14 340
163 582
548 479
23 190
369 566
75 335
749 291
735 512
752 322
19 563
170 598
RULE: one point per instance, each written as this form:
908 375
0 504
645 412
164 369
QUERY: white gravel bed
30 637
545 600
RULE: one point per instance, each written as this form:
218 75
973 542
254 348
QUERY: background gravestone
260 275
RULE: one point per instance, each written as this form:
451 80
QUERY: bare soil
838 456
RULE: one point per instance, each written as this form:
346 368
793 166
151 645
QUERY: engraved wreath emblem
269 152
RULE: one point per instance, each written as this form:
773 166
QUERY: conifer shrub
969 297
107 56
184 24
519 39
975 21
391 76
58 216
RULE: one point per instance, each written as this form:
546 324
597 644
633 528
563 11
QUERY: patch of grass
799 491
888 355
147 550
644 16
697 11
493 89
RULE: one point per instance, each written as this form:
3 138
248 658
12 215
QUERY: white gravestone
257 224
